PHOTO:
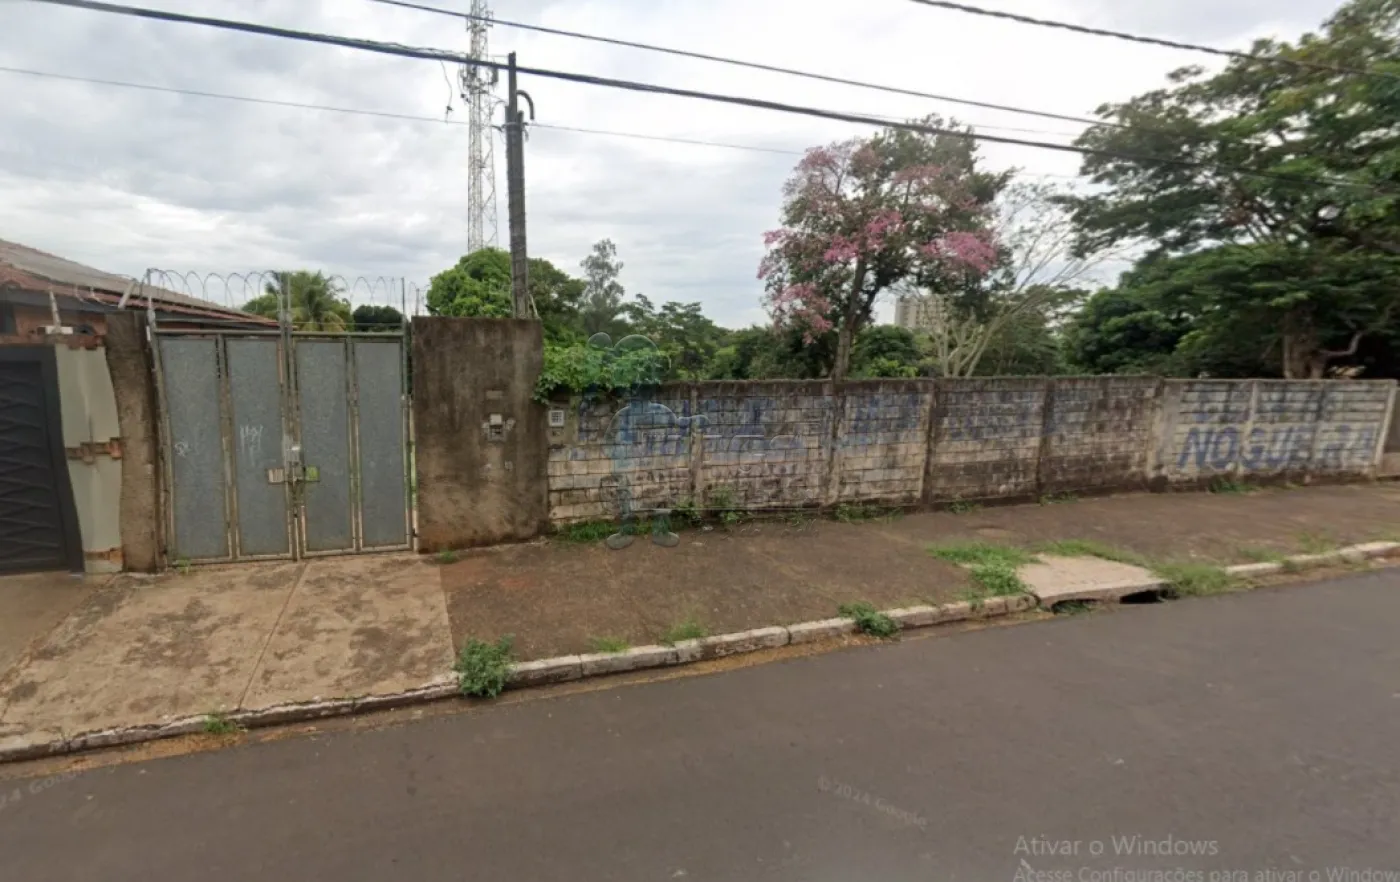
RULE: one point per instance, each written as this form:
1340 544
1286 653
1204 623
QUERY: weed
1263 555
1090 548
1316 543
183 565
688 514
218 723
731 518
971 554
869 620
1072 608
993 567
798 520
962 506
1196 579
482 667
1058 499
685 630
608 644
854 514
588 531
447 556
998 581
1229 486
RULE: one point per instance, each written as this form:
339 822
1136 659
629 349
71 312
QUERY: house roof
38 271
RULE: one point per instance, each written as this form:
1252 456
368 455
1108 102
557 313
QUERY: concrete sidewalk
141 651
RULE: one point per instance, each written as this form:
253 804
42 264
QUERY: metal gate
38 521
283 445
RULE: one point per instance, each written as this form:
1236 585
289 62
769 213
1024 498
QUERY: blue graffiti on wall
1280 448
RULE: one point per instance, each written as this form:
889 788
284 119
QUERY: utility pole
515 190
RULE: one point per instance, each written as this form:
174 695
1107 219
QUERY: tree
1308 246
369 317
863 215
479 285
885 351
602 292
1010 310
315 301
1125 331
680 331
556 298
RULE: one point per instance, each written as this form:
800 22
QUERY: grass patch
686 630
1229 486
855 514
1058 499
992 567
482 667
1090 548
869 620
608 644
218 723
997 581
1196 579
1316 543
588 531
447 556
963 506
1263 555
971 554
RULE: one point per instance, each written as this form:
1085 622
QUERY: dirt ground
556 597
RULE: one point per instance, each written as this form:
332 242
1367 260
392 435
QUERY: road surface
1254 732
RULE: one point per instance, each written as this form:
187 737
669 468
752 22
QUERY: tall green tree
315 301
371 317
479 285
681 331
602 292
1309 249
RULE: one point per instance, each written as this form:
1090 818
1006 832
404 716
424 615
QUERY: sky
129 180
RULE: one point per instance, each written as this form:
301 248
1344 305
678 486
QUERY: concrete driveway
33 603
142 650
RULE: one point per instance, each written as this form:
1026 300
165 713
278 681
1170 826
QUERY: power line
1154 41
195 93
770 68
402 51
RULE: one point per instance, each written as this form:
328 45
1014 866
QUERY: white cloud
125 179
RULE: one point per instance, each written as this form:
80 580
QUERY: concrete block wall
882 441
787 444
1098 433
637 451
1271 428
764 444
986 438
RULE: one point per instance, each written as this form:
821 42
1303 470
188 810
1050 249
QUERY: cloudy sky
126 179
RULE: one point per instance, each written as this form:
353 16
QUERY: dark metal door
38 521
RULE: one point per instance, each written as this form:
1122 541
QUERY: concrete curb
541 672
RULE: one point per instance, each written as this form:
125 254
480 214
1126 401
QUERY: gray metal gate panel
195 448
383 489
256 435
323 395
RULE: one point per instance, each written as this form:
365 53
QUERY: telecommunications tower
478 90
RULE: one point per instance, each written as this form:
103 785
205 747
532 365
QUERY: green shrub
482 668
869 620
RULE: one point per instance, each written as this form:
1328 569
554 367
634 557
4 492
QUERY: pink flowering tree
863 215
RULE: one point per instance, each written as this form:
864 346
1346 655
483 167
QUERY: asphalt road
1248 733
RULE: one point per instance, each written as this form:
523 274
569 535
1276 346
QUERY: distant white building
913 311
